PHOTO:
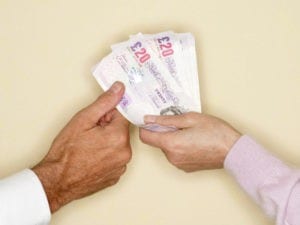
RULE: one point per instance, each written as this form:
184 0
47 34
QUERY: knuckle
191 117
143 139
142 136
174 159
114 181
126 156
123 170
186 170
123 156
118 140
123 139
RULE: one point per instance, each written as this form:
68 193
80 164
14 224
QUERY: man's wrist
230 138
48 174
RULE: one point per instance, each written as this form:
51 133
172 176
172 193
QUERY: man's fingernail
116 87
149 119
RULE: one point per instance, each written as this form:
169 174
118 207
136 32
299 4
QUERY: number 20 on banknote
165 46
140 52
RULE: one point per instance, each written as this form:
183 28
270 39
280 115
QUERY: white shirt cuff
23 200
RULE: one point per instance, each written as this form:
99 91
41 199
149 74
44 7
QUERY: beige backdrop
248 55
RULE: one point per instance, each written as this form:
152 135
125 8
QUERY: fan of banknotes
159 72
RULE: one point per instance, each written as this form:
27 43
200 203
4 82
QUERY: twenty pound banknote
159 72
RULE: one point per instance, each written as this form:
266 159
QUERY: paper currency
159 72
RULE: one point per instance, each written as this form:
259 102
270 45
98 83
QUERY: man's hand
89 154
201 141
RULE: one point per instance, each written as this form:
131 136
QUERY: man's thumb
105 102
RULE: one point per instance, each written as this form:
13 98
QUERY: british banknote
159 72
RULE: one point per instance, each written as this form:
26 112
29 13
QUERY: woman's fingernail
116 87
149 119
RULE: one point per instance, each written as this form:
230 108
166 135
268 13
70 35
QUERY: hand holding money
89 154
202 141
160 75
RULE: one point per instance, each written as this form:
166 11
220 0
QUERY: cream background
248 54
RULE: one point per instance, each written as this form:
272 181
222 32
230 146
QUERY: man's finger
105 103
180 121
155 139
118 120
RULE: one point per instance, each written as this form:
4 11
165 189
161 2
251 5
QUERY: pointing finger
180 121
